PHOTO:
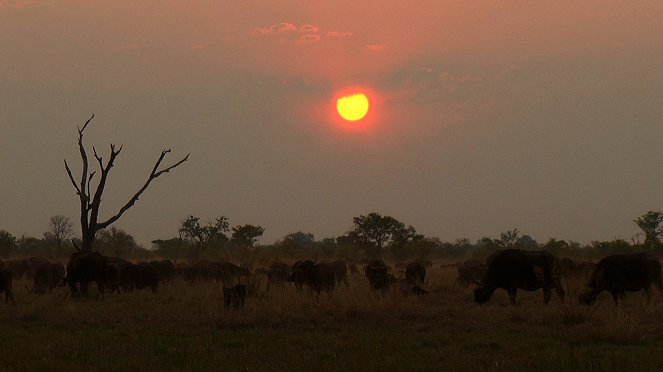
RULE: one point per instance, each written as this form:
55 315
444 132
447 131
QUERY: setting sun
352 107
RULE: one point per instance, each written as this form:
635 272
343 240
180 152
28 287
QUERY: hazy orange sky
487 116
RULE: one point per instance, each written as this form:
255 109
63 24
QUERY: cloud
308 38
282 27
337 34
426 84
375 47
309 28
290 33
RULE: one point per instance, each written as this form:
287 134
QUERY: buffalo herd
509 269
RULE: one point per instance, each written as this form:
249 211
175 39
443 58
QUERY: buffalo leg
546 296
512 291
615 296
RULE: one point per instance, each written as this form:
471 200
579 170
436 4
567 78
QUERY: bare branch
80 131
66 166
154 174
89 181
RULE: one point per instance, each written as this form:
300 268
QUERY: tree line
371 235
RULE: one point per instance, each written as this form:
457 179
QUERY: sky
484 116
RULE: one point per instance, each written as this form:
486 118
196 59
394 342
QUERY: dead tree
90 203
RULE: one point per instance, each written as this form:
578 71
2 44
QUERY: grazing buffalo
471 271
340 272
513 269
114 273
213 271
139 276
415 273
165 269
620 273
6 284
47 276
85 267
277 273
378 275
234 296
25 267
318 277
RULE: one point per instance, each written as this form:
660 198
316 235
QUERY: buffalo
139 276
234 296
318 277
116 266
471 271
85 267
620 273
6 284
415 273
377 273
277 273
47 276
340 272
165 269
514 269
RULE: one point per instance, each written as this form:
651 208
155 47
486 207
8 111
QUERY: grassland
184 327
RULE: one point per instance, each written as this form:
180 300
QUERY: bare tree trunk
90 203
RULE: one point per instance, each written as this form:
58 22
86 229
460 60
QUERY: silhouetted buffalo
620 273
165 269
513 269
318 277
340 271
85 267
377 273
114 273
6 284
25 267
415 273
47 276
471 271
277 273
139 276
234 296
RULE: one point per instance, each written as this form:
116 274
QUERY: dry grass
184 327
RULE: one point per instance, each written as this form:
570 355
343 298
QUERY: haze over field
543 117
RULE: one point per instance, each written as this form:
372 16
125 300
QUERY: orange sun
352 107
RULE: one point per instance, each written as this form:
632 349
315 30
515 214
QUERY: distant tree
117 243
171 248
299 238
508 238
650 223
8 243
60 229
245 236
91 202
203 235
379 231
527 243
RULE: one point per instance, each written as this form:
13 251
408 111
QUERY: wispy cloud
275 29
306 33
338 34
309 38
309 28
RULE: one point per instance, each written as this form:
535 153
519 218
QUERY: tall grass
186 327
